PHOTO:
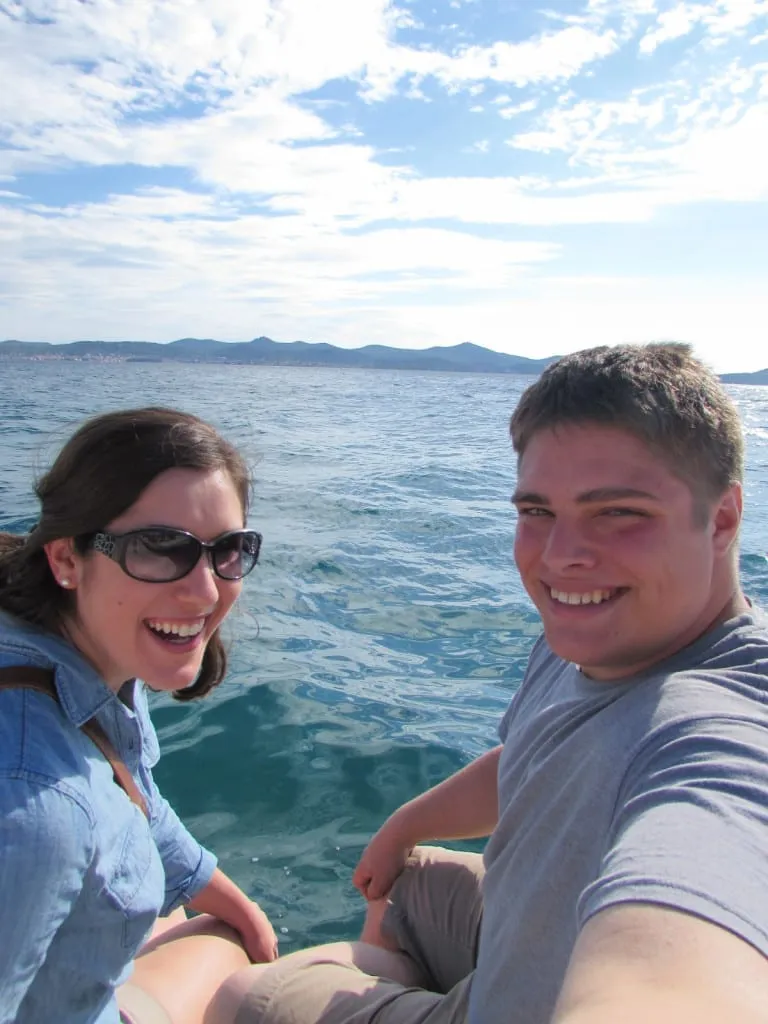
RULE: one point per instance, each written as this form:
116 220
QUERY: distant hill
464 358
758 377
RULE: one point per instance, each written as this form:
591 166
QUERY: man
626 875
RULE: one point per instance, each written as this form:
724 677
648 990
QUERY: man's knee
434 912
372 933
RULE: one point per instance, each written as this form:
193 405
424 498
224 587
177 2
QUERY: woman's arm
222 898
193 880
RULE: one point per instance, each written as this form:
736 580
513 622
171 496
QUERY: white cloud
588 128
481 146
724 325
679 144
551 57
298 224
259 275
672 24
729 16
719 18
514 110
189 252
86 83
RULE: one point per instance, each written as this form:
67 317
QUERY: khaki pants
434 913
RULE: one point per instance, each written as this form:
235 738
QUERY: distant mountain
464 358
758 377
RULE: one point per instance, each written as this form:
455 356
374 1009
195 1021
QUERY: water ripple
384 631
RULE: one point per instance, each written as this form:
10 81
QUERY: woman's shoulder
41 748
48 840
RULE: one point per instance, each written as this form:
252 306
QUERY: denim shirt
83 874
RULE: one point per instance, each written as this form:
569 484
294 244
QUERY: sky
534 178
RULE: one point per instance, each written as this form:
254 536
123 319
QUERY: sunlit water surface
384 631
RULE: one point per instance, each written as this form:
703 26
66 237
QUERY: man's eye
534 512
620 512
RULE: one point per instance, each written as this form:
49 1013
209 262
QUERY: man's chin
570 649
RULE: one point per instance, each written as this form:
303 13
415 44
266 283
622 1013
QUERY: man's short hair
659 392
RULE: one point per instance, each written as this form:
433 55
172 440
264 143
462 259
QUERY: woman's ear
64 562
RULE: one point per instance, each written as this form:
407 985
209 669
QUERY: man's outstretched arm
640 962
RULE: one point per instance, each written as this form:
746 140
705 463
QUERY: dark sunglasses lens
236 554
159 556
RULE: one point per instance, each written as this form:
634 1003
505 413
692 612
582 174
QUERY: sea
384 631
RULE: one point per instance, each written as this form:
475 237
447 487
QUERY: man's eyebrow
614 494
528 498
587 497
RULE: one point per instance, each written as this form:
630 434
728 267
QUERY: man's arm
463 806
639 962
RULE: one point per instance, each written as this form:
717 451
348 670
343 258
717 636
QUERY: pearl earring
64 583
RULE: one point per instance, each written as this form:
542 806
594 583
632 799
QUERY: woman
137 558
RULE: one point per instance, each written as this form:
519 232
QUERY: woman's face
124 626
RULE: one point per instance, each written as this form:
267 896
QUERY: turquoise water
380 638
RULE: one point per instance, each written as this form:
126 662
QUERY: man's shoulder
718 688
732 657
736 649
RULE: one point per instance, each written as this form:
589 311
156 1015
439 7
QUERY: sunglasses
162 554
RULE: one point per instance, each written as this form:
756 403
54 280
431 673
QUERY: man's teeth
177 628
591 597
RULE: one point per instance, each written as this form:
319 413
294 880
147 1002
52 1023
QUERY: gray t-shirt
654 789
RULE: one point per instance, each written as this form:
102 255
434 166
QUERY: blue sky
531 177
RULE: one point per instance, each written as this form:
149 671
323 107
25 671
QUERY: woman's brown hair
99 473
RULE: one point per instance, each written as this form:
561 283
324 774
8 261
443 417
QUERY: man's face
609 549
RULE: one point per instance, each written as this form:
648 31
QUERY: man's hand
383 860
463 806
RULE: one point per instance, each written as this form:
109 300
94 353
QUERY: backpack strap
27 677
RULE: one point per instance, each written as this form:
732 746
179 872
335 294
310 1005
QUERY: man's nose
568 547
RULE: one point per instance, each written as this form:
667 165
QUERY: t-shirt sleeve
690 829
46 844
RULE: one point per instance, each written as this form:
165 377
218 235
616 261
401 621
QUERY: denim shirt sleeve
188 865
46 839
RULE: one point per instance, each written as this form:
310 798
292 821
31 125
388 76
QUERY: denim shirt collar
82 692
